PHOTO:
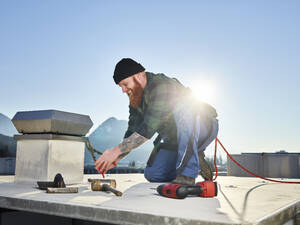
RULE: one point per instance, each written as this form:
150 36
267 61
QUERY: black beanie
126 68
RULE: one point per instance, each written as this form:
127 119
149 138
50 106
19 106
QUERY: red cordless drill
206 189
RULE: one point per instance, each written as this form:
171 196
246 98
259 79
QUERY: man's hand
112 156
108 159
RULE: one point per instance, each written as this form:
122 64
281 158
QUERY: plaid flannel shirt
154 113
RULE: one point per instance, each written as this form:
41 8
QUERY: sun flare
204 91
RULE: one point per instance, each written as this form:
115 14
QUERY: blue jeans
163 168
194 133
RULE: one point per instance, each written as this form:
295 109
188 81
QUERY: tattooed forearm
131 142
123 155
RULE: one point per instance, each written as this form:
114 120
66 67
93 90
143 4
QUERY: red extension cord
253 174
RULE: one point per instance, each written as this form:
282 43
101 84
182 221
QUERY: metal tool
110 182
105 185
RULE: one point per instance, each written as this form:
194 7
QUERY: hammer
106 185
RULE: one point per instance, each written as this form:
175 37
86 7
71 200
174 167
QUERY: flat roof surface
240 200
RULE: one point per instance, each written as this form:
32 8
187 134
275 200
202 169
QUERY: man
159 104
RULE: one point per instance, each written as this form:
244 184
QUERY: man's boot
184 180
205 171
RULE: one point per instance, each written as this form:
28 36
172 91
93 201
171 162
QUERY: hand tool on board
107 185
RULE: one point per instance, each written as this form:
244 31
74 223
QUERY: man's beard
136 94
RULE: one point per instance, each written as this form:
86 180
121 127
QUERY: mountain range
6 126
7 144
107 135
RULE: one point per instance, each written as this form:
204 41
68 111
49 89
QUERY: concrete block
41 160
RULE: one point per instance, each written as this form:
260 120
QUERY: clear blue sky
61 55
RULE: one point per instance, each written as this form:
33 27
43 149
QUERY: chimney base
41 156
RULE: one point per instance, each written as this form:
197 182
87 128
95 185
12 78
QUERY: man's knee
163 168
154 175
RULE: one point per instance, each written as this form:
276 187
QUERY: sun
204 91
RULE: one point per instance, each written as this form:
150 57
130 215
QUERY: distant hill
8 146
6 126
109 134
